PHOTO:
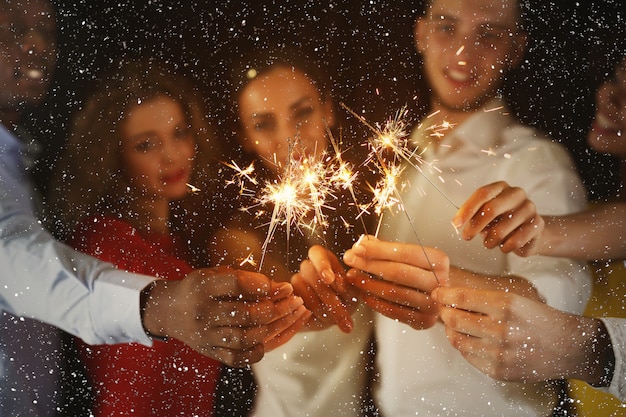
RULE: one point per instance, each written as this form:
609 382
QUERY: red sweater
167 379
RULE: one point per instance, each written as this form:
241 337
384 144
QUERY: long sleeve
617 331
46 280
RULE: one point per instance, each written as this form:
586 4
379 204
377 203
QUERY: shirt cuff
115 309
617 331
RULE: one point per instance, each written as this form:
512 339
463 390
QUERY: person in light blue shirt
232 316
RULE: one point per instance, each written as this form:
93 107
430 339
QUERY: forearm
597 233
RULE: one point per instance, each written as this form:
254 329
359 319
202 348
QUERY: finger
479 301
246 313
233 357
503 206
524 237
280 290
396 272
308 294
253 285
324 262
414 318
310 274
406 253
473 204
396 294
332 302
332 308
235 338
286 307
507 224
286 328
225 282
466 322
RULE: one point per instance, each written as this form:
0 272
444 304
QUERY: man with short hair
468 48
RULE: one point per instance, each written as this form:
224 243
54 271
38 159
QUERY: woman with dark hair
283 113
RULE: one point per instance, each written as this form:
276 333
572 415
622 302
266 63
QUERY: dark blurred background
369 46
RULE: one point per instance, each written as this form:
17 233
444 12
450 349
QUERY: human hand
285 326
609 126
504 216
512 338
223 313
320 282
405 276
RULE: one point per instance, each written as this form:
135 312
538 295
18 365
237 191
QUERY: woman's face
157 149
280 105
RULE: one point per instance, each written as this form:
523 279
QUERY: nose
171 151
287 130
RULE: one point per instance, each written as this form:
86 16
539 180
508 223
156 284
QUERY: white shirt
45 280
421 373
317 373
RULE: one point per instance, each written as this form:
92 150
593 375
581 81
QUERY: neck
457 115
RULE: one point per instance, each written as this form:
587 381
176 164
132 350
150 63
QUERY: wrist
149 312
551 238
598 361
605 357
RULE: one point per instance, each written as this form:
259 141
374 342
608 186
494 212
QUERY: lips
175 177
459 76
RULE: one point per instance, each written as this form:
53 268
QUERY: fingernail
349 257
328 276
358 248
284 289
295 302
346 326
457 222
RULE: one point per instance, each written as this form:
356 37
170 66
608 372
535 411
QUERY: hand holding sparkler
405 276
320 282
229 315
504 216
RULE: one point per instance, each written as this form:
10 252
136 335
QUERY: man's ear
420 34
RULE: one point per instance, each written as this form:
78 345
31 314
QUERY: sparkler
241 174
192 188
248 260
301 193
344 177
393 139
298 196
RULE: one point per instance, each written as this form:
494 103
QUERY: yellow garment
607 300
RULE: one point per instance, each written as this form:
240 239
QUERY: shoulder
533 144
95 232
104 223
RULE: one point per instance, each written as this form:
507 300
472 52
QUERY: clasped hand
394 279
230 315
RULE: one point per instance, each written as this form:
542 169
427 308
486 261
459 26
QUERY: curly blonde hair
88 174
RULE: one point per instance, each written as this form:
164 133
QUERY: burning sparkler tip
192 188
